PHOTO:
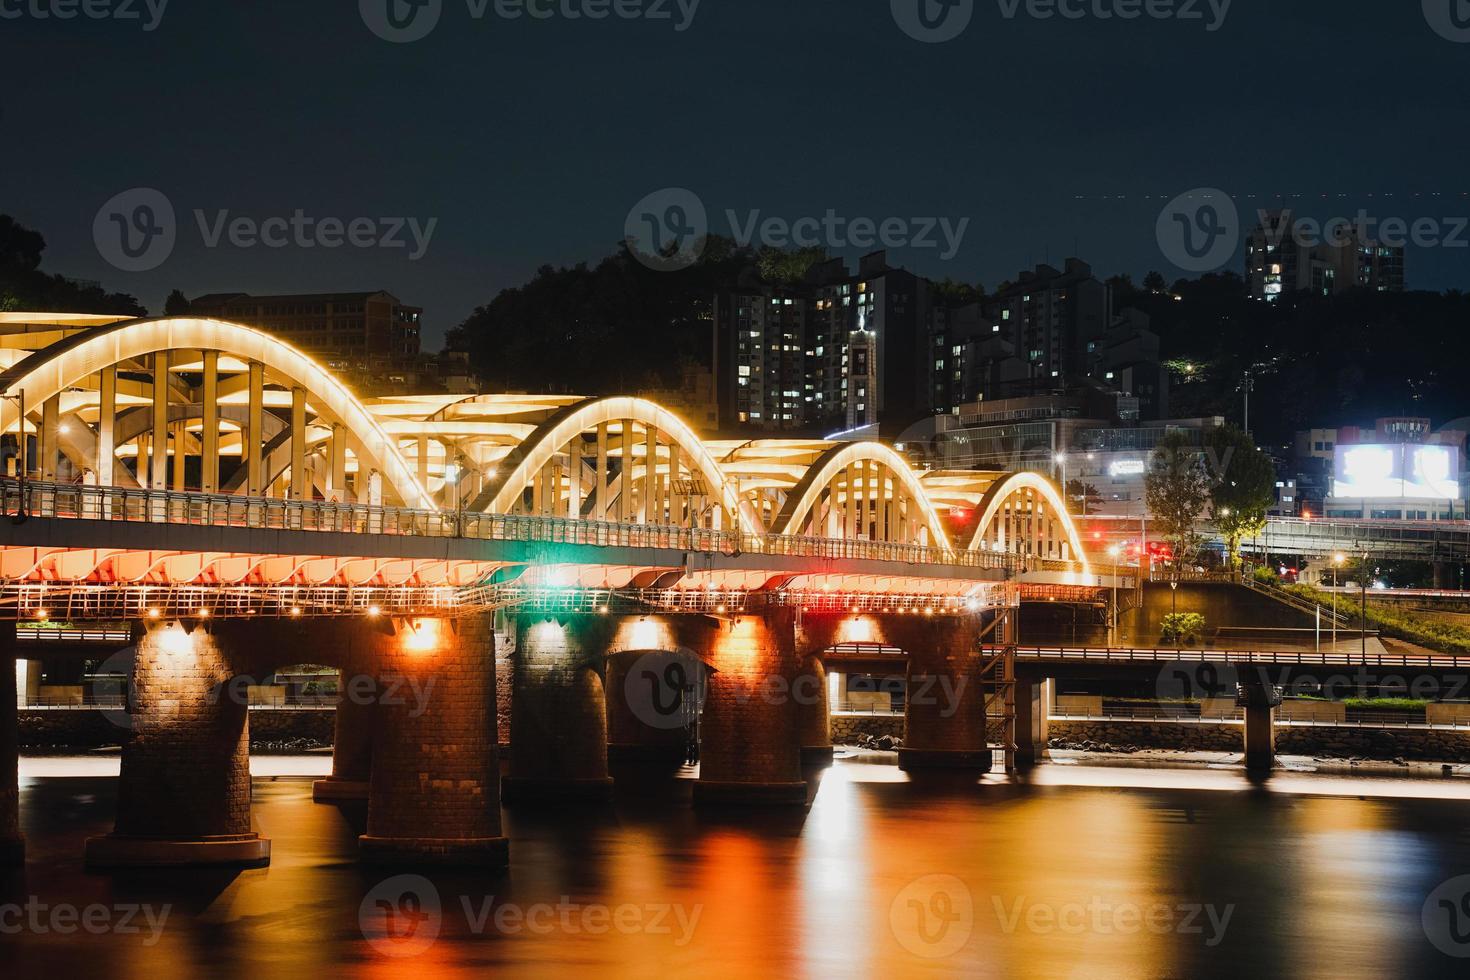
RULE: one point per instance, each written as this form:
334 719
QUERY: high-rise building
837 351
1050 332
1281 258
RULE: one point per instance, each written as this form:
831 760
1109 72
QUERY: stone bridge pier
944 708
12 844
434 793
646 683
352 738
183 795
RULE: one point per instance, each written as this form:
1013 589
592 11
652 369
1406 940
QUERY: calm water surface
1077 872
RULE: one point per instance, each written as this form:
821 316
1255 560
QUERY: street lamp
1061 460
452 475
1337 561
1114 551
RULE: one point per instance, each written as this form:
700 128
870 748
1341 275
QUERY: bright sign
1128 467
1369 472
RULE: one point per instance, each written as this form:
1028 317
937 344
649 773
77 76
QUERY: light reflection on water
1051 876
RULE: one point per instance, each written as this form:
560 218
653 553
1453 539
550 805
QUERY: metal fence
79 502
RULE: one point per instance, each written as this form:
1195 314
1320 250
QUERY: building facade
1281 257
369 339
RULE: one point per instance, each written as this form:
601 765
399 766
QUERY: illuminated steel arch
862 489
93 356
642 465
1024 514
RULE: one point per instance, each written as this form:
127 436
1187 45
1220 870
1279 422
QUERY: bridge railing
1306 658
80 502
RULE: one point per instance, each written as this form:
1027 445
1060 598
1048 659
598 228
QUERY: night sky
529 141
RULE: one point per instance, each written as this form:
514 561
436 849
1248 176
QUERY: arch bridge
269 472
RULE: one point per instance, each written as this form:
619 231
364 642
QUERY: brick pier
434 795
184 788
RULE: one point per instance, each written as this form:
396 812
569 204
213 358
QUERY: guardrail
1377 719
1247 657
75 502
44 634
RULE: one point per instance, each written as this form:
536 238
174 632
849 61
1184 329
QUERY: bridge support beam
352 739
1032 706
944 707
434 797
814 715
1260 737
1260 725
12 844
184 791
558 713
750 749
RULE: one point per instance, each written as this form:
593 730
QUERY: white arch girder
72 361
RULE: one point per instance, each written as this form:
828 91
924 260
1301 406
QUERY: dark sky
529 141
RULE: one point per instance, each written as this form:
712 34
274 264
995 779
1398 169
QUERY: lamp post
1337 561
1114 551
1363 632
452 475
20 399
1061 460
1174 606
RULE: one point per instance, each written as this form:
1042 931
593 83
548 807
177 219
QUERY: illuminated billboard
1368 472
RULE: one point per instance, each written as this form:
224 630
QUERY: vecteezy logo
401 21
1199 229
933 21
401 916
135 231
1183 685
664 690
1449 18
1446 917
666 230
933 916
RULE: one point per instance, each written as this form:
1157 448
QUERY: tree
1244 486
1176 488
1084 493
177 304
1154 282
24 286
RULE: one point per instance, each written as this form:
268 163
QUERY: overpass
1431 541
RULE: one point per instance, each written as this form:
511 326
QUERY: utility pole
1250 383
1363 585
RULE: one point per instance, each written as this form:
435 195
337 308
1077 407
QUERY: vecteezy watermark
933 21
1099 916
39 918
406 21
1363 228
404 916
385 690
1449 18
933 917
148 14
1211 13
937 21
832 230
136 231
1199 230
665 690
667 230
1446 917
